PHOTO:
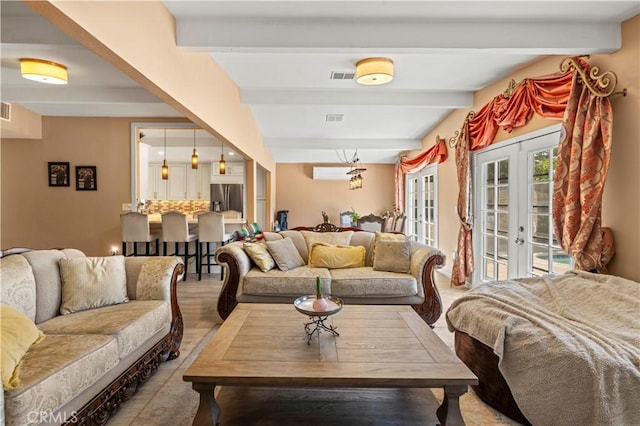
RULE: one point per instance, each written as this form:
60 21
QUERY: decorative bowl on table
304 304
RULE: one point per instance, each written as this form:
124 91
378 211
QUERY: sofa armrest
235 259
424 259
156 278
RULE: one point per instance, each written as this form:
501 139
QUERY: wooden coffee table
378 347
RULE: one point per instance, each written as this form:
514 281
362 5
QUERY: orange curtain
580 174
546 96
463 262
437 153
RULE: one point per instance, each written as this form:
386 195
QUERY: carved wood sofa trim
430 310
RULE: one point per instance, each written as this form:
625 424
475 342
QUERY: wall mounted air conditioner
331 173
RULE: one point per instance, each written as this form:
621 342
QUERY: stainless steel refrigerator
227 196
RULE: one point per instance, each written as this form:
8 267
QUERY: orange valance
546 96
435 154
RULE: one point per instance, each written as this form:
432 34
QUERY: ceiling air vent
5 111
342 75
334 118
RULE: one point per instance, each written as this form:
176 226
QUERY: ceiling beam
340 144
318 156
401 36
69 94
427 99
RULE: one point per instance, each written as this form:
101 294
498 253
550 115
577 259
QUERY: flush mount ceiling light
43 71
373 71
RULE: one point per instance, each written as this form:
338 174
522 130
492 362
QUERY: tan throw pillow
393 256
92 282
285 254
17 334
260 255
385 236
323 255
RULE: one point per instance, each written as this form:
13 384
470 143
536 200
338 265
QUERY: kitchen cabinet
199 182
156 187
184 183
234 174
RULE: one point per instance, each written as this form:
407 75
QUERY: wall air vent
5 111
334 118
342 75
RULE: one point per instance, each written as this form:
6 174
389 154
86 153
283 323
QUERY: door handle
519 241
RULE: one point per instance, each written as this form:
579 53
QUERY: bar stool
175 229
210 230
135 229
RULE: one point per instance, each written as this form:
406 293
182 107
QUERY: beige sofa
246 283
90 361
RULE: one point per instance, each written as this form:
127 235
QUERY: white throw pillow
92 282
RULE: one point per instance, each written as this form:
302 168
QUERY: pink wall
306 198
621 201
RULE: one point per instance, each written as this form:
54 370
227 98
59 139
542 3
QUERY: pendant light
165 168
222 166
194 156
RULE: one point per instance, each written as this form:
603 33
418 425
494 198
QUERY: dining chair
231 214
370 222
345 219
175 229
210 230
135 229
398 225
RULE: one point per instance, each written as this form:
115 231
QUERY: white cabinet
198 182
184 183
177 183
156 187
234 174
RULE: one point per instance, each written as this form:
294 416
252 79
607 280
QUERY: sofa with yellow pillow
358 266
79 334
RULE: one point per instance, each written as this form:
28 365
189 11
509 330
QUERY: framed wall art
58 173
86 178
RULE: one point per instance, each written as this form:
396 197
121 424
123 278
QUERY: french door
421 209
513 233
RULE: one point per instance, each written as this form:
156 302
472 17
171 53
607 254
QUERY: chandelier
355 171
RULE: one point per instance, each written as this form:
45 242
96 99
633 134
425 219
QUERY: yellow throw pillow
323 255
17 334
260 255
336 238
386 237
92 282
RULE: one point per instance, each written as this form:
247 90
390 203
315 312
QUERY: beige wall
306 198
24 124
621 201
38 216
142 47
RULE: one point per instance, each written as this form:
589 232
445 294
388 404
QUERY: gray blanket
569 345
